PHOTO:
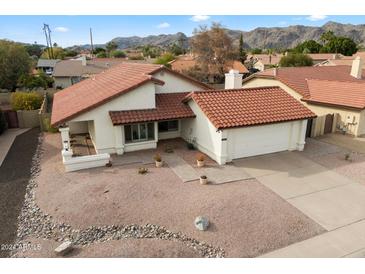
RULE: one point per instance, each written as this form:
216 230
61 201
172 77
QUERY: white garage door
250 141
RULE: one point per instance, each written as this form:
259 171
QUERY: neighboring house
263 61
321 57
336 94
342 61
70 72
132 106
185 62
47 65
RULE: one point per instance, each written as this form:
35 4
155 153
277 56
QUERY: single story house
69 72
47 65
336 94
263 61
132 106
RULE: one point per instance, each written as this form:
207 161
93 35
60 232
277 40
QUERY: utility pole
91 42
47 33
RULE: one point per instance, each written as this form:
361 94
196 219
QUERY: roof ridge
237 89
359 82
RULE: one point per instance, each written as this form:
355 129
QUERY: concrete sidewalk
347 241
7 139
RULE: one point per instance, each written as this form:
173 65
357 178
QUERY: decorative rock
64 248
201 223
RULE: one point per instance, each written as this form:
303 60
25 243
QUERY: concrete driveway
330 199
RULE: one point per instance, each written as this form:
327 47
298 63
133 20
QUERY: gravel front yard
333 158
247 219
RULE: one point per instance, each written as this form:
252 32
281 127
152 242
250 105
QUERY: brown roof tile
247 107
168 106
296 77
349 94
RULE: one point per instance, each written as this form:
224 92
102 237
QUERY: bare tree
213 48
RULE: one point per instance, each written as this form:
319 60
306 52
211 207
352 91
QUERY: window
139 132
166 126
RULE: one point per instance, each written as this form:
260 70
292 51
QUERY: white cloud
316 17
163 25
61 29
199 18
282 23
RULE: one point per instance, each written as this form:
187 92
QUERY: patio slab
181 168
224 174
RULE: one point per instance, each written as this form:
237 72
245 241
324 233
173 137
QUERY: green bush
296 60
101 55
40 80
165 59
3 124
26 100
118 54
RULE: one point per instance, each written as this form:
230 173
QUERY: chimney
83 60
233 80
356 69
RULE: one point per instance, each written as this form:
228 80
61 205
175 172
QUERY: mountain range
273 37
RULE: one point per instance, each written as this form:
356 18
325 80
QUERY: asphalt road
14 176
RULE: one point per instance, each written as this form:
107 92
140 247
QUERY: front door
328 123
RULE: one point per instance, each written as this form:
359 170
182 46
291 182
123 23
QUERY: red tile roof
168 106
296 77
350 94
103 87
247 107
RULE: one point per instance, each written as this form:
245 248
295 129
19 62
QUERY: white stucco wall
103 132
174 83
78 127
208 139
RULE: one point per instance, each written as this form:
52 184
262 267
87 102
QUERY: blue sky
74 30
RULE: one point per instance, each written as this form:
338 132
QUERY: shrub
118 54
101 55
142 170
3 123
26 100
136 57
41 80
165 59
296 60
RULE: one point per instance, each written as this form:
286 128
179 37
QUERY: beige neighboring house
264 61
69 72
343 61
336 94
321 57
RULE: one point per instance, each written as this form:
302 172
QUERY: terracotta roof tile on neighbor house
296 77
350 94
168 106
248 107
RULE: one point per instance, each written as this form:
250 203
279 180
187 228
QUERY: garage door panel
259 140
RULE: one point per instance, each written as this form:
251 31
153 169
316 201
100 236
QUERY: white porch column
224 148
301 137
119 139
65 137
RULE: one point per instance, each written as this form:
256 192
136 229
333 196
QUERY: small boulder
201 223
64 248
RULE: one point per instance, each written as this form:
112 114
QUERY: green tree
327 36
40 80
111 46
165 59
58 53
101 55
296 60
176 49
241 51
256 51
34 50
26 100
14 62
151 51
343 45
309 46
118 54
98 50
